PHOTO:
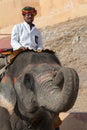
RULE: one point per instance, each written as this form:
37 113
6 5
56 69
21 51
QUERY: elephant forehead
43 77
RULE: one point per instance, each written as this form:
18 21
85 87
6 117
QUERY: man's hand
22 48
39 50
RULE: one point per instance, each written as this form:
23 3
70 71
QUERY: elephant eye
29 81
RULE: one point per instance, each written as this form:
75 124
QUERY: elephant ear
7 95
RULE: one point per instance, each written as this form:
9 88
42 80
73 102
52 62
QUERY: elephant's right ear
29 81
7 96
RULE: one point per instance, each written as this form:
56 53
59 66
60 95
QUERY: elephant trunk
60 92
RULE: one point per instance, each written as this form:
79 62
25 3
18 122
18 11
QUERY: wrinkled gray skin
42 89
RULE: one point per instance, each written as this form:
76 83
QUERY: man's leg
2 67
2 62
57 128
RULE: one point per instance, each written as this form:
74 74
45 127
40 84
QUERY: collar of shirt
28 27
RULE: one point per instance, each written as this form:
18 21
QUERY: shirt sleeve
15 38
40 46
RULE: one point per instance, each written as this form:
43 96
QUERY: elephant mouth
28 110
32 110
25 114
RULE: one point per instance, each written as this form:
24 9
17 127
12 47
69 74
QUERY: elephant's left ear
7 96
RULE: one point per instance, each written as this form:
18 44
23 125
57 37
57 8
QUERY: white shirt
22 36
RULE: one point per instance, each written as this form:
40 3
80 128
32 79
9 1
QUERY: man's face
29 18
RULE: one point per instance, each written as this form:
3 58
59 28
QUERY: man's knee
2 62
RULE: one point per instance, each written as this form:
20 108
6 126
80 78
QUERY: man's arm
40 46
15 38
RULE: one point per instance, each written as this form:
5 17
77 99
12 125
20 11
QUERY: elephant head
55 88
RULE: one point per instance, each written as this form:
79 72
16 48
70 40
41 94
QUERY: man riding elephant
24 35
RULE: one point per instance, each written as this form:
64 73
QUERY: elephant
36 88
